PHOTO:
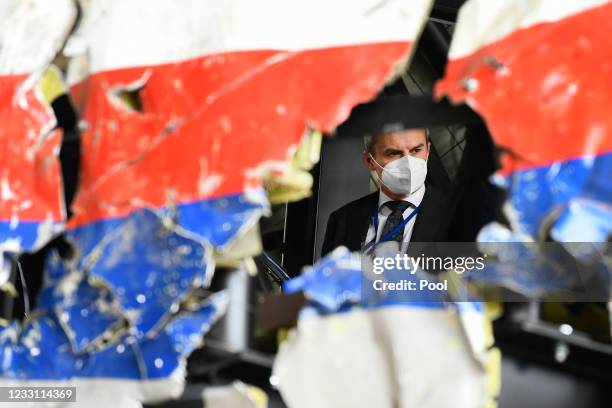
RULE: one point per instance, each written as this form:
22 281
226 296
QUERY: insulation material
359 353
31 200
295 183
235 395
538 72
239 251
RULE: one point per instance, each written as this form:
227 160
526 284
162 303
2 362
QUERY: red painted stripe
553 99
29 174
230 113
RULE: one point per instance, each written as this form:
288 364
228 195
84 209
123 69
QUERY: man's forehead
402 137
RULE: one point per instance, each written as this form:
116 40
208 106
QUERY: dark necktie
395 218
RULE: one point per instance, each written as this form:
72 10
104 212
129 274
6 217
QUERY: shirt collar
415 198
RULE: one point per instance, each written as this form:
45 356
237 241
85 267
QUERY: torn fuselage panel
539 82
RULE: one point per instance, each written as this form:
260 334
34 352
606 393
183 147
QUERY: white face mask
403 176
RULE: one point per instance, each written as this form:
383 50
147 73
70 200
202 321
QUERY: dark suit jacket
349 224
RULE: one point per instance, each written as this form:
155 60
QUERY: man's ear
367 159
428 149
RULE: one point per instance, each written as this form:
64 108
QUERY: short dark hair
370 141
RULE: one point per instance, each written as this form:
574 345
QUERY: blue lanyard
391 233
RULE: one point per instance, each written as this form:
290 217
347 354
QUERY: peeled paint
151 369
148 267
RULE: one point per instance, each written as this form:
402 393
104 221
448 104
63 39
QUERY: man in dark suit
406 208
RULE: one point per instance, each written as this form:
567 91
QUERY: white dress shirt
384 212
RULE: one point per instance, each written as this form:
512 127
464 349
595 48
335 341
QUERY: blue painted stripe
215 221
534 193
25 231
